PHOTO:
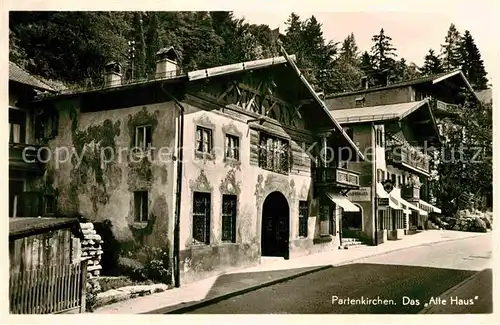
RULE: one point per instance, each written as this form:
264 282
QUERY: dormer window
360 102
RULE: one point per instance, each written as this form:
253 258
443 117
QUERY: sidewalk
267 273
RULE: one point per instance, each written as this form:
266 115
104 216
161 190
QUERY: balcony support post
324 148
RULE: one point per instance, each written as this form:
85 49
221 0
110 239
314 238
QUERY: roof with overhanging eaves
391 112
376 113
18 74
319 113
432 79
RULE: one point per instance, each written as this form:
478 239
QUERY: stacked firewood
91 250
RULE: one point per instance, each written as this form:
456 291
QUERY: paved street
398 282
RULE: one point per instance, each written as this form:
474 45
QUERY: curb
448 292
402 248
205 302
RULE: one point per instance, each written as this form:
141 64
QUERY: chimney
364 82
112 74
166 63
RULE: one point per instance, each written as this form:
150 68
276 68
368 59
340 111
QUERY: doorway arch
275 230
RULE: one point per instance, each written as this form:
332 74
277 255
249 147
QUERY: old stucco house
402 122
218 166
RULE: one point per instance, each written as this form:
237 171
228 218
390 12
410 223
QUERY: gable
262 93
277 94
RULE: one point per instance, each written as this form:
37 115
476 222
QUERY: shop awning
412 206
343 201
402 203
381 193
428 207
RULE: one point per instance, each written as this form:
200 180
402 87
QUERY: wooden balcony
410 193
408 158
336 177
23 157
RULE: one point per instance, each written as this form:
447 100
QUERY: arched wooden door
275 226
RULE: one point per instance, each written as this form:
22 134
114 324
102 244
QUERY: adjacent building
28 126
400 124
218 167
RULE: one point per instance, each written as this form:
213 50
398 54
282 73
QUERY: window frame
235 150
272 147
204 130
394 179
146 146
206 215
141 213
19 118
232 216
303 218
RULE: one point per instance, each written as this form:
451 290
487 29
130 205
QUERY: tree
315 57
367 67
293 34
383 55
137 36
152 41
404 71
450 55
466 157
349 50
231 31
412 72
346 74
471 62
69 46
194 37
432 64
321 54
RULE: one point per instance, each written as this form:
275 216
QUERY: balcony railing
337 177
409 157
26 157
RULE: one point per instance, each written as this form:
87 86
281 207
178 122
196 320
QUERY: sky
412 33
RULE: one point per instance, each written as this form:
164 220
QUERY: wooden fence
49 290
